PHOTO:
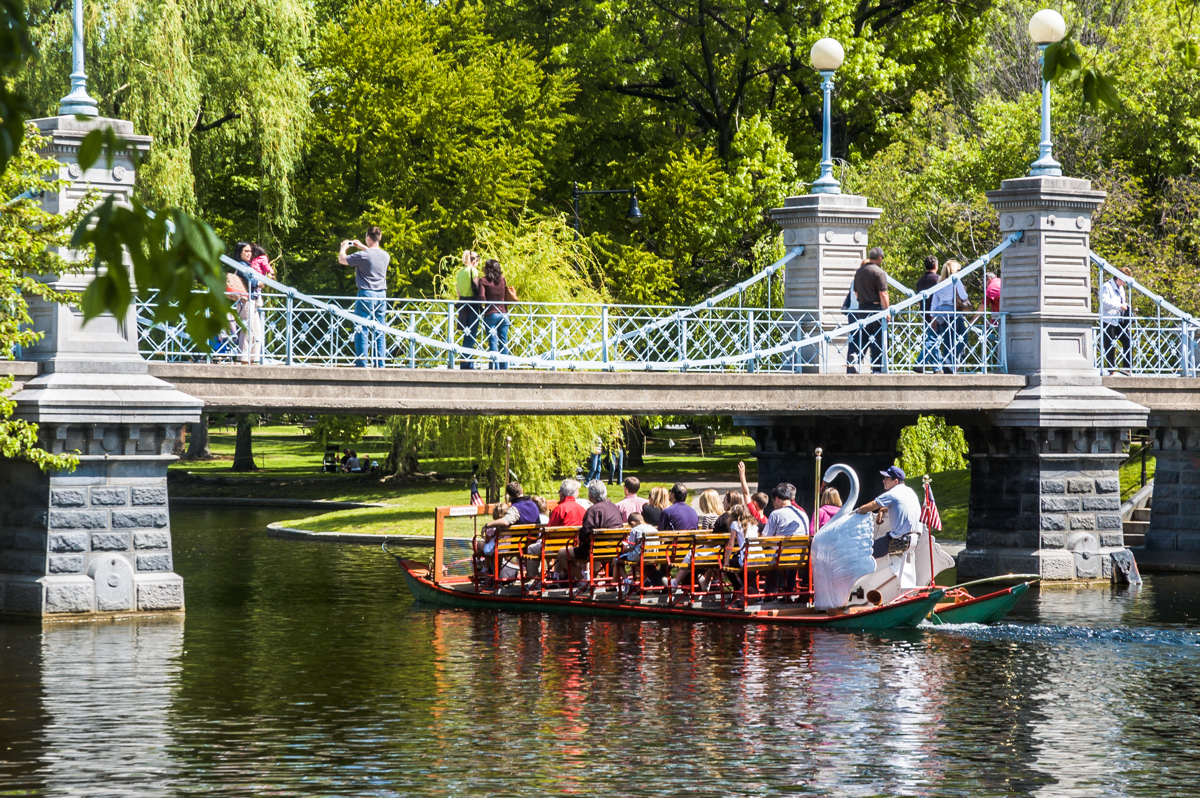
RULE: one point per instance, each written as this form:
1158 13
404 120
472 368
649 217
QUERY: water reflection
305 670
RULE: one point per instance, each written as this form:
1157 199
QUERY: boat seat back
782 553
606 543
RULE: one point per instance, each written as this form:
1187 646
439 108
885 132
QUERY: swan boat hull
460 593
991 608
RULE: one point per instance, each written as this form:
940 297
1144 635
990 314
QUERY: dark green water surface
304 669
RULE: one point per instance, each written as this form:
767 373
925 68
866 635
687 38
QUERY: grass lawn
952 492
1131 477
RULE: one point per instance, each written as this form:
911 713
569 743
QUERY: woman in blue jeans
947 301
494 291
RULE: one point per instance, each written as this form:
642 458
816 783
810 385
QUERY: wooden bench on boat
507 551
778 556
606 547
707 559
662 551
552 539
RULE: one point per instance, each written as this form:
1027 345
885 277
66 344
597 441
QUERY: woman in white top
951 327
1114 324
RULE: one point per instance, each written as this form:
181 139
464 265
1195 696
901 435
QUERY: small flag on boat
929 513
476 499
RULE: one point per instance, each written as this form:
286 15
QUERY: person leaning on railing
949 298
496 294
1115 316
466 283
929 346
871 289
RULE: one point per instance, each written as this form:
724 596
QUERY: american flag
477 500
929 513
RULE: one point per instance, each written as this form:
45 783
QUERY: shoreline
276 529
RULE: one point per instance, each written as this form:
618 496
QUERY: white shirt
785 522
1112 297
942 299
904 509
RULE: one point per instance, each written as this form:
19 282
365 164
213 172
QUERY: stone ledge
277 530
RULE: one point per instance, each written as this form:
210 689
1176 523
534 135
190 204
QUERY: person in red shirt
757 502
569 512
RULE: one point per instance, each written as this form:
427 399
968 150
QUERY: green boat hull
907 614
988 609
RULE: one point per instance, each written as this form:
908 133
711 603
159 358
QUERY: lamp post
1045 28
634 214
78 102
826 57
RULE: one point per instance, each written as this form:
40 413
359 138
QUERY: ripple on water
304 669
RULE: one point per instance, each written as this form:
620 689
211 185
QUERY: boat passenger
659 501
569 511
757 502
603 514
710 509
831 502
786 518
634 544
543 513
679 515
520 509
900 503
632 503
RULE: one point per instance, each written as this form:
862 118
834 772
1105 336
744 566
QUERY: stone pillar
784 449
832 228
1175 508
1045 492
95 540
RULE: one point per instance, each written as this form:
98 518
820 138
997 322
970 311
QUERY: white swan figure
841 550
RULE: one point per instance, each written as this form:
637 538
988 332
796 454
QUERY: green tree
931 446
220 86
425 126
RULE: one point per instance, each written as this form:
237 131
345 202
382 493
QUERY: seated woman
710 509
831 502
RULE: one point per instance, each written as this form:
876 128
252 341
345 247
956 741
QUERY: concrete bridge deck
306 389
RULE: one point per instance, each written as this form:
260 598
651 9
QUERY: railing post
1003 344
885 347
683 342
604 334
751 365
450 320
554 342
289 334
412 341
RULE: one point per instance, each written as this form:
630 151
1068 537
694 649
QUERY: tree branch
202 128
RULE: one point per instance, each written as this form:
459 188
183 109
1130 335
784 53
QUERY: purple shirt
679 516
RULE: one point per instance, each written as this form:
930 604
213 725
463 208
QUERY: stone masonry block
1052 540
1165 507
1188 541
149 496
1109 521
1056 504
1057 566
1052 523
1164 491
23 597
1165 476
68 497
1083 522
1087 565
977 564
65 564
160 593
1108 485
72 596
61 542
151 540
1189 477
154 562
1080 486
109 497
110 541
1094 503
134 519
1112 539
1163 541
1029 538
79 519
1054 486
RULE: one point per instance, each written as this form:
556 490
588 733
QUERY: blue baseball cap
895 472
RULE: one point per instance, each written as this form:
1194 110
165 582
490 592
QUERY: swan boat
829 580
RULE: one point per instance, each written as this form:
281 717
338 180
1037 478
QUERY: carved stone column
832 228
95 540
1045 492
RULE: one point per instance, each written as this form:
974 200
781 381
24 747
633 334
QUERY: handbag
510 295
850 302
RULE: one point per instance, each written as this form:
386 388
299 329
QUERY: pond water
305 669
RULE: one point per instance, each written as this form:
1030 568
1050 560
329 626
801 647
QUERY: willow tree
220 87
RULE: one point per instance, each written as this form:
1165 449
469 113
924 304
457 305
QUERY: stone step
1135 528
1142 514
1135 538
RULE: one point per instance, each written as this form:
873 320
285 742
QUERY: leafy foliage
340 429
1063 64
931 446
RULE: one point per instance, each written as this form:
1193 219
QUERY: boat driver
900 503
